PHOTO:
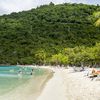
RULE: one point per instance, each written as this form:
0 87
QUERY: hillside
34 36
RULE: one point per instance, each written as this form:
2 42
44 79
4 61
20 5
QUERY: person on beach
94 73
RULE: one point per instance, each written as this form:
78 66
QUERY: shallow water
12 77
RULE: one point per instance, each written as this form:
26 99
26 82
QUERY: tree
51 4
39 34
59 59
40 57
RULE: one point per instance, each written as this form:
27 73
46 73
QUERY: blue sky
8 6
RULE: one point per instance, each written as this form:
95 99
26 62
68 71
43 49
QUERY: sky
8 6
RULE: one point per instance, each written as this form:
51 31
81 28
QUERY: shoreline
65 84
28 91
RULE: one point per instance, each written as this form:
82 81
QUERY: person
31 73
20 73
32 69
94 73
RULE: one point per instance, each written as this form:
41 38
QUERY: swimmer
31 73
32 69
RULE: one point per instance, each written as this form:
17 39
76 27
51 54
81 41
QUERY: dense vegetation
51 34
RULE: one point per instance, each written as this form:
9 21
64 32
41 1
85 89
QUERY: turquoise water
14 76
97 68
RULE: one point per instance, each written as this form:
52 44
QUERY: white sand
66 85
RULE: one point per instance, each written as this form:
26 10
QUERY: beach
69 85
62 84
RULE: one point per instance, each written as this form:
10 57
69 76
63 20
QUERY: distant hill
48 28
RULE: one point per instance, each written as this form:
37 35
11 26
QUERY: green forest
64 34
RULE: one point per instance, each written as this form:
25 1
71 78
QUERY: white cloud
8 6
15 5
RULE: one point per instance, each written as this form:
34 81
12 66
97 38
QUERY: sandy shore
69 85
64 85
